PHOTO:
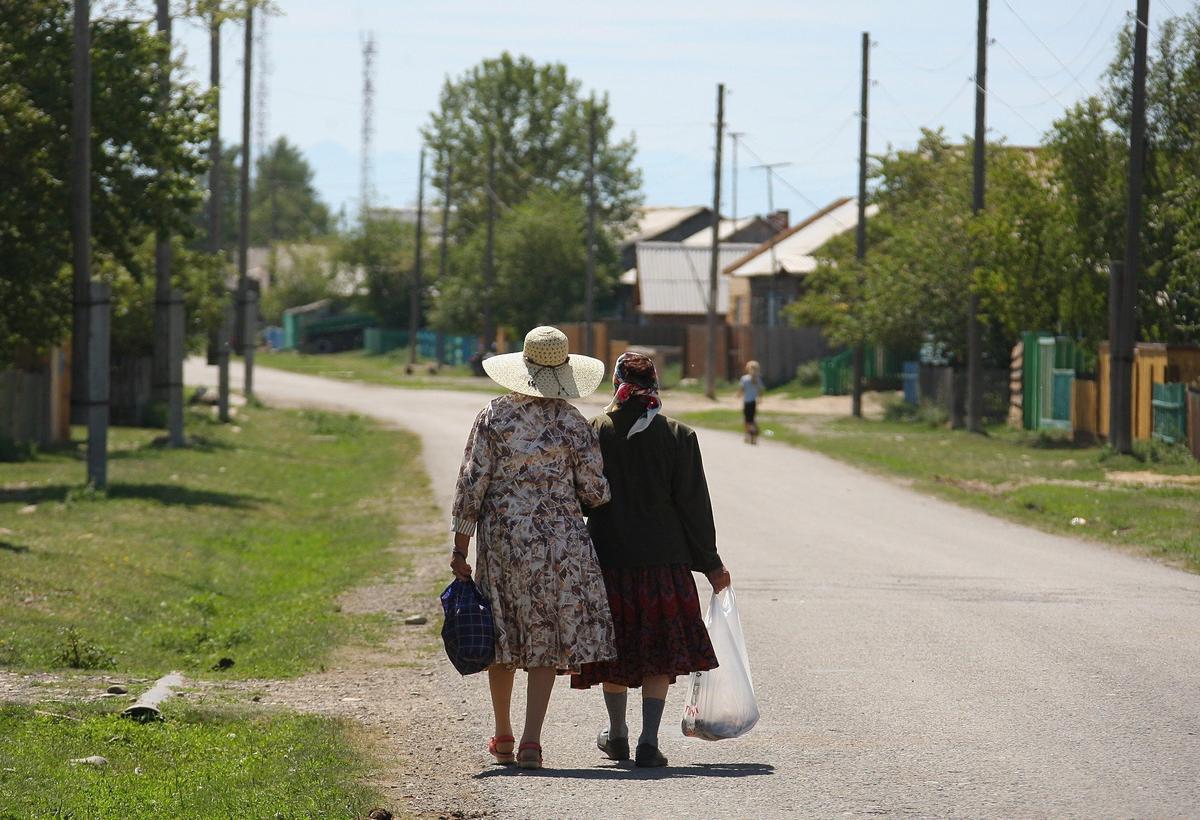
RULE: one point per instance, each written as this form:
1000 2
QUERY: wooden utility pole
167 367
734 136
414 296
710 358
214 214
589 298
974 345
81 213
247 326
444 257
489 266
860 229
1123 314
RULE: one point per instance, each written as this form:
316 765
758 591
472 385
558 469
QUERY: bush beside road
1148 503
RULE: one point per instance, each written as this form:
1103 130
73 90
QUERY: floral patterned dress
529 465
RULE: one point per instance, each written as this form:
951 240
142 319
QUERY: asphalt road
911 657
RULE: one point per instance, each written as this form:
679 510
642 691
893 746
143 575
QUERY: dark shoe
614 748
649 757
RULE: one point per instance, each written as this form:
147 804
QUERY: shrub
808 374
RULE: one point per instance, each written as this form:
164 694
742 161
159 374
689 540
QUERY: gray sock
652 711
615 703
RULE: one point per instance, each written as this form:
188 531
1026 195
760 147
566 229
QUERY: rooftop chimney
778 220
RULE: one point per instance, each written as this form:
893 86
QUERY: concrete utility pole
589 299
167 369
414 297
81 213
974 345
710 358
860 229
247 324
444 256
214 214
1123 285
489 262
97 384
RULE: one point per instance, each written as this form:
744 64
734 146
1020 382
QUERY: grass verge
195 764
1040 480
387 369
234 548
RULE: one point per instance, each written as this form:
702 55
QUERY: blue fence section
455 349
910 376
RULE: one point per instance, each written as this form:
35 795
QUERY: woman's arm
473 477
591 487
689 493
458 558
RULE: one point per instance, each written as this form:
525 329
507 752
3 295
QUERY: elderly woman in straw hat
531 463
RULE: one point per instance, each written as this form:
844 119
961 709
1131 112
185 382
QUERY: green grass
236 547
387 369
1038 480
194 764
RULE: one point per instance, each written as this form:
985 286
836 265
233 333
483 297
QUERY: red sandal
528 762
504 758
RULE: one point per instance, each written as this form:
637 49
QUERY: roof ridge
782 235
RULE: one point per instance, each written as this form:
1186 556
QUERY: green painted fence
1170 412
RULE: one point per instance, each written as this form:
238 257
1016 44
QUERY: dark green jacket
660 511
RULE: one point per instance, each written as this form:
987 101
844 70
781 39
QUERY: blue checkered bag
468 632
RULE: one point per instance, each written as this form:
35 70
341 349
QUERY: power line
1049 50
927 69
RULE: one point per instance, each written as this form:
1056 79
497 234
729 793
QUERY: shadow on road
166 494
627 771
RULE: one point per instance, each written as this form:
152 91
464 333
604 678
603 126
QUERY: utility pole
414 296
214 214
167 368
444 257
589 300
734 136
974 346
368 125
489 267
246 322
773 306
710 358
860 229
1123 314
81 206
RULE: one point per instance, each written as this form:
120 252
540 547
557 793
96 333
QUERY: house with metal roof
770 277
672 280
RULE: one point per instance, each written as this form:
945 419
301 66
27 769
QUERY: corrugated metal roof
653 221
793 248
673 277
703 237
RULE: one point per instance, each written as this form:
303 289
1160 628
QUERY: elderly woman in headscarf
656 531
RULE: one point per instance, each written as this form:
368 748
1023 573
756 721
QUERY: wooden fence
35 403
1152 364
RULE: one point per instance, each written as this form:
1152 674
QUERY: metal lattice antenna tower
368 121
260 93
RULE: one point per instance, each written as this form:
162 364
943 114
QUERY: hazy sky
792 70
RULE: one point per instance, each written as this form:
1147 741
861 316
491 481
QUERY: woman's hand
719 578
460 567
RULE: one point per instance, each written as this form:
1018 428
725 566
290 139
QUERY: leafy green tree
284 206
309 275
537 118
383 249
540 268
128 137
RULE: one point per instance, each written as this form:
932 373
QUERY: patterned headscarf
635 380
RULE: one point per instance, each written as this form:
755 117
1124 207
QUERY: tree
540 264
284 206
129 137
536 118
383 249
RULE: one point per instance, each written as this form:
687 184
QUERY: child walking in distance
749 389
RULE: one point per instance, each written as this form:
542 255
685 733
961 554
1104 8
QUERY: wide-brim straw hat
546 368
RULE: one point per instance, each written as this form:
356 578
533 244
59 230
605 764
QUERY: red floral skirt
659 631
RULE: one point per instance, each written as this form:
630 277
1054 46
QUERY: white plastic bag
720 703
